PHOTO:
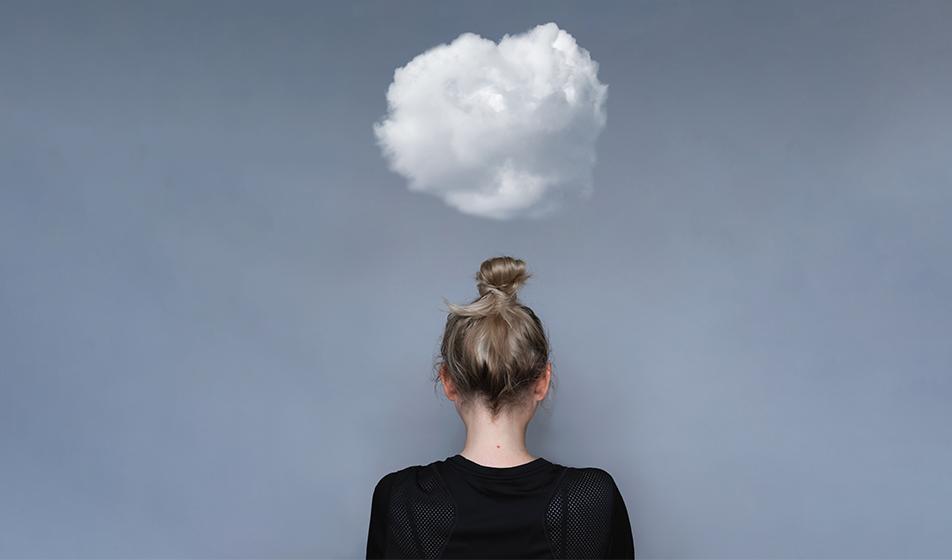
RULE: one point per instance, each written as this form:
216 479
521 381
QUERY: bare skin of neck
499 442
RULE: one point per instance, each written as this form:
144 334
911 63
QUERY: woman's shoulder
418 473
595 483
592 472
386 481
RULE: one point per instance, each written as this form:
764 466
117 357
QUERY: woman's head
494 348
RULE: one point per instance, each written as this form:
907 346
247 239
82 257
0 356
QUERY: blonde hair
494 347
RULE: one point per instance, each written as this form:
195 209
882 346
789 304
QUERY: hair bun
503 275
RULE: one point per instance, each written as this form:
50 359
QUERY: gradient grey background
219 310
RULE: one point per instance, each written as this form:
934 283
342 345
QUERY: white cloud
497 130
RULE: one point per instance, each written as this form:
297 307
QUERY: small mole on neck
497 446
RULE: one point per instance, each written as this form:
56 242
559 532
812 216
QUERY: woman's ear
542 384
447 383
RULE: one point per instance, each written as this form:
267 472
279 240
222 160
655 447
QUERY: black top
456 508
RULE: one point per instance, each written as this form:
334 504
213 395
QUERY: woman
494 499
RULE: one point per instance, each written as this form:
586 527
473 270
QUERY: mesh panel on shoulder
422 514
578 517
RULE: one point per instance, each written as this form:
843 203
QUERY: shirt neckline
499 472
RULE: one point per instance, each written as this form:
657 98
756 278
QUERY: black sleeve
622 544
377 532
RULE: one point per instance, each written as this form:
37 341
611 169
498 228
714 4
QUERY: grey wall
219 309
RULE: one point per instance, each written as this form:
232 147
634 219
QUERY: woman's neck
496 443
